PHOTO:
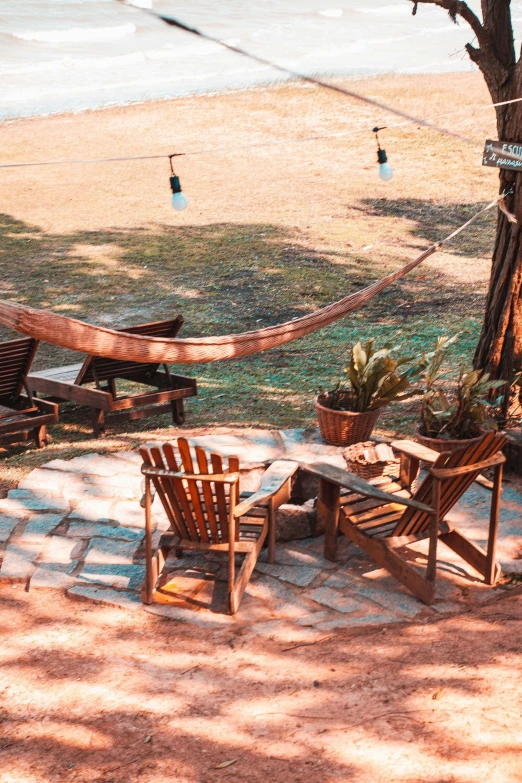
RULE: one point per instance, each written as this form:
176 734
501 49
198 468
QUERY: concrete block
106 550
125 577
39 527
333 600
294 522
18 562
301 576
60 550
52 576
93 510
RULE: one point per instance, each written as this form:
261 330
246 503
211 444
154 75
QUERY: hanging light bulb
179 200
385 170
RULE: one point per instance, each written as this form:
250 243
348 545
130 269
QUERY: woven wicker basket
342 428
440 445
358 464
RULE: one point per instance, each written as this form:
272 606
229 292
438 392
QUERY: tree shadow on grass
229 278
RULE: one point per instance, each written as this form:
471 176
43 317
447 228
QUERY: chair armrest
272 481
356 484
443 473
415 450
219 478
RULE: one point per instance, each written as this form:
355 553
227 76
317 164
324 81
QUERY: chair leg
178 413
431 570
150 576
40 436
245 572
492 569
328 510
98 422
271 530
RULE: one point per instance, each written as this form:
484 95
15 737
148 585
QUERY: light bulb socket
381 156
175 184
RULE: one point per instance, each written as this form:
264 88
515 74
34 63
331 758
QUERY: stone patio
77 526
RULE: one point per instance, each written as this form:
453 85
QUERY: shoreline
256 87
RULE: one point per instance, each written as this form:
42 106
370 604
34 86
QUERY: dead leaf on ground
437 694
225 764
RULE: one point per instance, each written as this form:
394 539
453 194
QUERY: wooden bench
93 383
22 417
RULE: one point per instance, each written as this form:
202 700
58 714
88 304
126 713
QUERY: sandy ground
96 694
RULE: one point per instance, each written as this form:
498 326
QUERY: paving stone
19 494
40 477
60 550
131 514
339 580
201 618
301 576
38 527
37 502
295 555
126 577
124 599
92 530
18 562
94 510
7 525
10 507
393 600
106 550
314 618
334 600
294 521
88 464
52 576
105 492
277 597
383 618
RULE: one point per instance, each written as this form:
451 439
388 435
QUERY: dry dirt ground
97 694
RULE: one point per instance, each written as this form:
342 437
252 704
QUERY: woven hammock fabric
98 341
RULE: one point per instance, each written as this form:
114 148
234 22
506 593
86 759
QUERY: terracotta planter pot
440 445
342 428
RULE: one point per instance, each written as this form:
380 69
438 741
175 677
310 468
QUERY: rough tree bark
499 349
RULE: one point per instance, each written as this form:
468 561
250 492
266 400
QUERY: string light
385 170
179 200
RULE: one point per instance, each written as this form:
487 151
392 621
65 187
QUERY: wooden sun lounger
207 512
383 516
22 417
82 383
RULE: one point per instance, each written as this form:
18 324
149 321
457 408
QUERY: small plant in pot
453 413
348 413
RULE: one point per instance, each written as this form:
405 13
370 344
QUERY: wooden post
491 566
178 414
271 529
431 570
149 575
98 422
409 470
328 509
231 552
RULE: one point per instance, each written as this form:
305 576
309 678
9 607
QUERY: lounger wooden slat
21 416
203 517
75 382
390 519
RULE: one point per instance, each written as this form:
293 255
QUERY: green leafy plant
374 379
461 412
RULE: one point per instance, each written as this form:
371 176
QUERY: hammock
98 341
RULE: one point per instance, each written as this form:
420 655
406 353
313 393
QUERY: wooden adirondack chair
21 416
207 512
70 383
382 516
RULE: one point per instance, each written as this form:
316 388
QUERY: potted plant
347 413
454 417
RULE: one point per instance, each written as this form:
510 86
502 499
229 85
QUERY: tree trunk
499 349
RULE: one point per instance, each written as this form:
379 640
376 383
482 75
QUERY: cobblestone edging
77 526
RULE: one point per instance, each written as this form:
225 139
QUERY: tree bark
499 349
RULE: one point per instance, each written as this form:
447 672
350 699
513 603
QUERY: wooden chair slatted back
100 368
198 510
16 357
452 489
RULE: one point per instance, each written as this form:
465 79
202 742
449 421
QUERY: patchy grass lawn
269 236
